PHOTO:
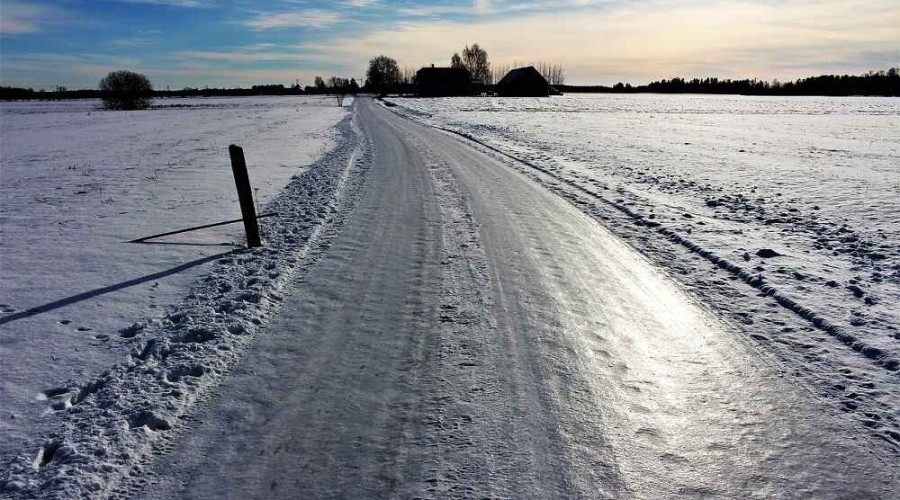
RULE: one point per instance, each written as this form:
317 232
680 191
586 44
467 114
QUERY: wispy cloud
241 55
50 59
201 4
45 69
193 69
433 10
19 18
597 41
361 4
638 42
308 18
482 6
131 42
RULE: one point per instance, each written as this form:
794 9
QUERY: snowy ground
426 321
469 334
78 182
703 184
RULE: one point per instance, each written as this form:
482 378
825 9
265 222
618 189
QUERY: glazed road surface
468 334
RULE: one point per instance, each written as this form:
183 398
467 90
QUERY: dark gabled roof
521 75
523 82
443 82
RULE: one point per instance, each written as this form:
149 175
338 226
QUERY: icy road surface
470 334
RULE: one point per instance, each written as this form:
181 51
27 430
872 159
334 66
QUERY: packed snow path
469 334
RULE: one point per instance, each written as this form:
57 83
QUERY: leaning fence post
245 195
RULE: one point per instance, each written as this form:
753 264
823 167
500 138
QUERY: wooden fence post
245 195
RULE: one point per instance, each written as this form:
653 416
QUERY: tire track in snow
387 375
583 351
878 356
858 378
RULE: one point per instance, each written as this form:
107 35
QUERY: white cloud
597 41
242 55
482 6
360 4
131 42
45 70
19 18
177 3
636 42
309 18
84 70
491 7
433 10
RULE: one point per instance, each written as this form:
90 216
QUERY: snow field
67 430
77 183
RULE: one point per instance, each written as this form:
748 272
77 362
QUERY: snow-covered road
470 334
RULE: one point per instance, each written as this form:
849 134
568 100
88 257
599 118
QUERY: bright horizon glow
239 43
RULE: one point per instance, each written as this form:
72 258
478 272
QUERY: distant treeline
15 93
873 83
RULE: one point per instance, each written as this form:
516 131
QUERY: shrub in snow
125 90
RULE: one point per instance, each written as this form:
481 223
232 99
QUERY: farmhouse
443 82
523 82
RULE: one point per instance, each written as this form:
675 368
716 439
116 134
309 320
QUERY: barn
523 82
443 82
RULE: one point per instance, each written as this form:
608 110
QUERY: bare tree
383 75
557 75
552 72
340 87
456 61
335 82
409 75
475 59
498 72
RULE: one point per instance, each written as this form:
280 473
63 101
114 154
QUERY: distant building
443 82
523 82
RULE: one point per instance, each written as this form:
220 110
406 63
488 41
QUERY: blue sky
240 42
